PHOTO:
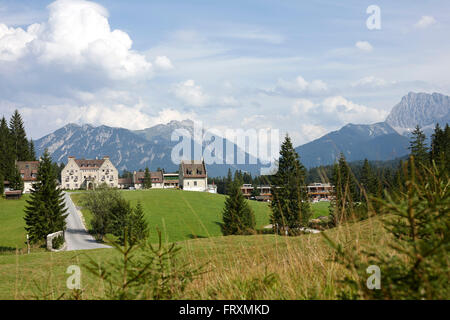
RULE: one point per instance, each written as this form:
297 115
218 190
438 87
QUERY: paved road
77 238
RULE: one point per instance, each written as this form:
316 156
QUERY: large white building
193 175
87 174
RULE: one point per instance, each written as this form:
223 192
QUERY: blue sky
303 67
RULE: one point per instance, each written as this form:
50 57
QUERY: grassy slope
182 215
12 232
302 266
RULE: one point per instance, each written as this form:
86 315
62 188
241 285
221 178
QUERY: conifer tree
417 146
139 226
15 180
342 204
45 212
2 185
290 205
440 147
238 217
32 152
6 152
228 182
19 140
147 179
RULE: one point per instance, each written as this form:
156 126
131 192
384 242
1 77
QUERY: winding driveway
77 238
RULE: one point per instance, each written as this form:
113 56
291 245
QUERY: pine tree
20 143
15 180
2 185
290 205
440 147
32 152
7 163
139 226
228 182
147 179
417 146
369 180
342 204
45 212
238 217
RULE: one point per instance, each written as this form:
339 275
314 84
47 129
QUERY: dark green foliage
45 212
144 271
440 147
417 146
342 206
20 144
57 242
147 179
119 219
2 186
290 205
32 152
418 221
16 181
237 216
100 202
138 225
6 151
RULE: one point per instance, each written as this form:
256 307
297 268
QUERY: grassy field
320 209
237 266
12 232
182 215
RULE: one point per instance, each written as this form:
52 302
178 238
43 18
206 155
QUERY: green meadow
12 224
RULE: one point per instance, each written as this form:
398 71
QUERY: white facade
193 175
87 174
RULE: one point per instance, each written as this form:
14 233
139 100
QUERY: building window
195 183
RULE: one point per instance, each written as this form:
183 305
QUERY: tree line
14 146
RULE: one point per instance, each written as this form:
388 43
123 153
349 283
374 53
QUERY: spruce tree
228 182
2 185
290 205
7 156
342 204
32 152
20 143
237 216
15 180
417 147
139 226
45 212
147 179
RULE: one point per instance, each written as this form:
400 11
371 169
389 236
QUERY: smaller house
155 176
320 191
125 183
193 175
171 180
265 192
28 171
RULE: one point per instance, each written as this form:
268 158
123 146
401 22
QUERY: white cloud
301 106
300 85
364 46
163 63
372 82
425 21
345 111
190 93
77 35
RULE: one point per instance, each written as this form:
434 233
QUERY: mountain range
129 150
152 147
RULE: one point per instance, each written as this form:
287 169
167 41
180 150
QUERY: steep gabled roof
193 169
29 169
